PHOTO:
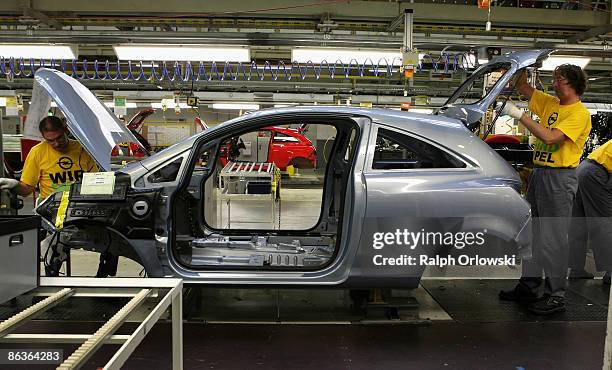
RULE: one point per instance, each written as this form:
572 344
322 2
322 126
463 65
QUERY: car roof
446 131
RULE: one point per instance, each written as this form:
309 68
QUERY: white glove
6 184
512 110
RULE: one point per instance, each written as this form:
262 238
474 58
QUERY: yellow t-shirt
54 171
574 120
603 155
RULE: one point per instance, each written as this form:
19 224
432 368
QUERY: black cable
53 242
492 124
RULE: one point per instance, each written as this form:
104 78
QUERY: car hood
90 121
469 113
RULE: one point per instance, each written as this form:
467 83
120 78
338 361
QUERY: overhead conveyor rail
61 289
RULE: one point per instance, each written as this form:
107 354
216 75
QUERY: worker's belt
553 168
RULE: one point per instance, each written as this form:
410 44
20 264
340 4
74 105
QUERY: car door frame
353 210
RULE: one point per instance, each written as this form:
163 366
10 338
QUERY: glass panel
167 173
270 179
398 151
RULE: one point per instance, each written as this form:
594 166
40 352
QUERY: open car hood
513 62
90 121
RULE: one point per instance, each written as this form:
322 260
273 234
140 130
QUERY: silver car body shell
484 190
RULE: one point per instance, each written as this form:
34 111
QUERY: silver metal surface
483 194
18 258
473 112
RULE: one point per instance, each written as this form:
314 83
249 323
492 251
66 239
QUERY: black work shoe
607 279
580 274
520 293
547 305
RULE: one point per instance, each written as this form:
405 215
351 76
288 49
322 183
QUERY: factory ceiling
272 27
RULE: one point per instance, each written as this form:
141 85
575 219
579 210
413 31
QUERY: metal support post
410 57
408 20
607 360
177 331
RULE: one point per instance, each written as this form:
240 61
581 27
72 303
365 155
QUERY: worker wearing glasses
563 128
53 164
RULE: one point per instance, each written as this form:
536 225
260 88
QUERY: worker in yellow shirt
53 165
564 127
592 214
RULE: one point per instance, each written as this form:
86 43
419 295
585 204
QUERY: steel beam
427 42
593 32
363 10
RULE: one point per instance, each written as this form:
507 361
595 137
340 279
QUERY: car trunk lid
470 113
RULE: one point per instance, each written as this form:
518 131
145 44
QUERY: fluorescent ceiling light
37 51
170 105
127 105
556 60
183 53
332 55
235 106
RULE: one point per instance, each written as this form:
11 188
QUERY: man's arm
18 187
545 135
24 189
523 86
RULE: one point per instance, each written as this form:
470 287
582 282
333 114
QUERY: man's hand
7 184
512 110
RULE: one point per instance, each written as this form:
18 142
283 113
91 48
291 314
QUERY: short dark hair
575 77
51 123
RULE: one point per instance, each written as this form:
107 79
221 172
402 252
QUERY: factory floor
459 324
452 322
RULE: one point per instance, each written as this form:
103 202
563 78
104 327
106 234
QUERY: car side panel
431 200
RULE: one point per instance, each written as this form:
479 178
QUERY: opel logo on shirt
65 163
553 118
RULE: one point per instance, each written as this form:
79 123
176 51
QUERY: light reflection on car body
451 181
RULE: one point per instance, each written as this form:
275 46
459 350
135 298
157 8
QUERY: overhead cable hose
226 71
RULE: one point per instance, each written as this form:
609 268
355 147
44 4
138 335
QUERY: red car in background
133 149
288 146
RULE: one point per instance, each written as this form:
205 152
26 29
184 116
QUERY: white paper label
98 183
